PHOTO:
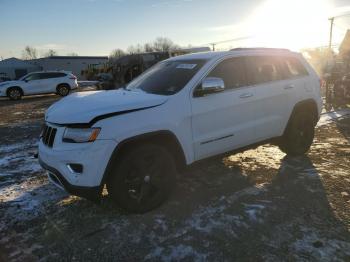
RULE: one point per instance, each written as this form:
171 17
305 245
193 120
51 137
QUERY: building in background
74 64
84 66
14 68
341 63
344 48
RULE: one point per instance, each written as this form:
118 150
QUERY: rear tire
299 134
63 90
142 179
14 93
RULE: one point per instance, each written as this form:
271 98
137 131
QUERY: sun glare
293 24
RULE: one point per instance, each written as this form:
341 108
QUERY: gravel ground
251 206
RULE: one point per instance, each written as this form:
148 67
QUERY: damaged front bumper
91 193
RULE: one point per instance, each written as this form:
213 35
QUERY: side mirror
210 85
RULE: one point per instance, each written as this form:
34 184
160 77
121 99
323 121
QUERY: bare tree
163 44
117 53
29 53
148 47
137 49
49 53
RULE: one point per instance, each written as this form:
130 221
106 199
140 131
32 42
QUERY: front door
33 84
224 121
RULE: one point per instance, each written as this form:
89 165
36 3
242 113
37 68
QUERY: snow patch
254 211
27 200
327 118
15 147
213 217
19 159
176 253
319 248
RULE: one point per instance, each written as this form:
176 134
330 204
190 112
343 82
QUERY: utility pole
213 45
328 99
331 34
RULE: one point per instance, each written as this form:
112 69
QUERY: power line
340 26
337 16
213 44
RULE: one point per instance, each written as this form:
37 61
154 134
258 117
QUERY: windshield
167 78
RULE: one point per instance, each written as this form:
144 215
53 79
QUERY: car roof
219 54
51 71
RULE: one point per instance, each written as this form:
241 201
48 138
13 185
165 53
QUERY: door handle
289 87
246 95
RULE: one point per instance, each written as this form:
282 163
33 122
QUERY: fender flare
163 138
309 104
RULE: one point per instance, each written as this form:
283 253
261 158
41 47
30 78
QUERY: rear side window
263 69
232 71
293 67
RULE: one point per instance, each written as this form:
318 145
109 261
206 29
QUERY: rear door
275 95
49 82
53 80
224 121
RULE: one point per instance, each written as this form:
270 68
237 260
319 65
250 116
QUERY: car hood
12 83
88 107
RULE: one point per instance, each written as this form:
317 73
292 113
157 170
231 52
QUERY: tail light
73 77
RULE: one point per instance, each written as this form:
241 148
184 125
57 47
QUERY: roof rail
260 49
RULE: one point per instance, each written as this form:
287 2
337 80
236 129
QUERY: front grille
48 135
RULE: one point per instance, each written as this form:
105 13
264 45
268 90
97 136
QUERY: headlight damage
80 135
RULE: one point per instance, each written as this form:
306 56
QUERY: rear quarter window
56 75
293 67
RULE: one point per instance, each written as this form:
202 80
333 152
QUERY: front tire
63 90
14 93
299 134
142 179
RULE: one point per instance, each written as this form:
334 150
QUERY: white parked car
35 83
181 110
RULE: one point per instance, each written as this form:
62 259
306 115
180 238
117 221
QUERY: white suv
45 82
182 110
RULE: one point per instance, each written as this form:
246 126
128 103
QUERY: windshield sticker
186 66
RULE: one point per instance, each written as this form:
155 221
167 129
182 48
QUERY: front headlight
80 135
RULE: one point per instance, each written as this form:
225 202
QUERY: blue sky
95 27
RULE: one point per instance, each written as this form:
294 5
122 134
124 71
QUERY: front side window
30 77
231 71
167 78
263 69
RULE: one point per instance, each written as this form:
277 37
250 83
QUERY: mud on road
256 205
